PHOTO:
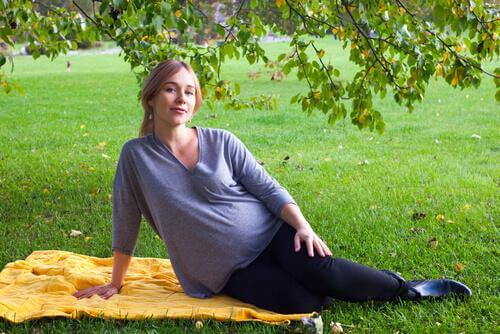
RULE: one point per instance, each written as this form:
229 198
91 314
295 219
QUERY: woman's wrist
293 216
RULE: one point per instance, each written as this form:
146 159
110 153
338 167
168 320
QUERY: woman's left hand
312 241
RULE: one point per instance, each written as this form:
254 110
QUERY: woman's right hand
104 291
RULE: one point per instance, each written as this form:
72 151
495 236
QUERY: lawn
359 190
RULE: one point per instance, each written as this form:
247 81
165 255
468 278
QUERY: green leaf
157 23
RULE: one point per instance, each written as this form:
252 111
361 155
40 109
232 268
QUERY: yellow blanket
43 284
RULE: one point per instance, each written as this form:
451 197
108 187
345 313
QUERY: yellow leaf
459 267
440 217
335 31
317 95
458 47
444 57
449 221
82 126
87 238
178 13
466 207
321 53
101 145
91 169
105 156
85 134
362 117
280 3
45 191
439 70
454 81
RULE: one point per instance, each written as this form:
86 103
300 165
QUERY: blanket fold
42 286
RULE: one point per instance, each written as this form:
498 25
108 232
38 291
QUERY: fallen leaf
466 207
91 169
363 162
475 136
418 215
432 243
75 233
87 238
417 230
49 218
85 134
82 126
328 159
101 145
340 147
105 156
449 221
336 327
440 217
198 324
459 267
437 141
45 191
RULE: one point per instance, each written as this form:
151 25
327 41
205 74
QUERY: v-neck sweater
214 219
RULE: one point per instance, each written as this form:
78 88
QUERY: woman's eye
170 89
190 93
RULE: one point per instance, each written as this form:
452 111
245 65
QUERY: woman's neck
175 138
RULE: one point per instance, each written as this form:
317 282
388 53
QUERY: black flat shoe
438 288
430 288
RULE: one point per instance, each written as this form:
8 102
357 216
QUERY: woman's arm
291 214
120 265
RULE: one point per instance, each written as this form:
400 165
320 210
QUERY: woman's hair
152 86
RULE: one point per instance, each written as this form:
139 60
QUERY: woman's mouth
179 110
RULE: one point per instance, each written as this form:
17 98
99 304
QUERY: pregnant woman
229 227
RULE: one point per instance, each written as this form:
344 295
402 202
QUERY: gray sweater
214 219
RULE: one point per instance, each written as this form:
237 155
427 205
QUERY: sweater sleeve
255 178
126 214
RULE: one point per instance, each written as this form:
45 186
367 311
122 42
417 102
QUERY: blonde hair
152 86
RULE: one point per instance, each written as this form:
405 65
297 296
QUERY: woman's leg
264 284
335 277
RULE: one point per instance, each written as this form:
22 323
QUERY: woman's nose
181 97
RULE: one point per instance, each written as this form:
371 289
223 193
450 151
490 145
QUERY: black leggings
285 281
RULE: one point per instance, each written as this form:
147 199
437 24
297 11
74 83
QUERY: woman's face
174 103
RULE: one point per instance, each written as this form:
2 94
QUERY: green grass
363 211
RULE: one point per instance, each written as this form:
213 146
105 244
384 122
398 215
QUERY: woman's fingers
108 293
104 291
319 247
325 248
83 293
310 246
